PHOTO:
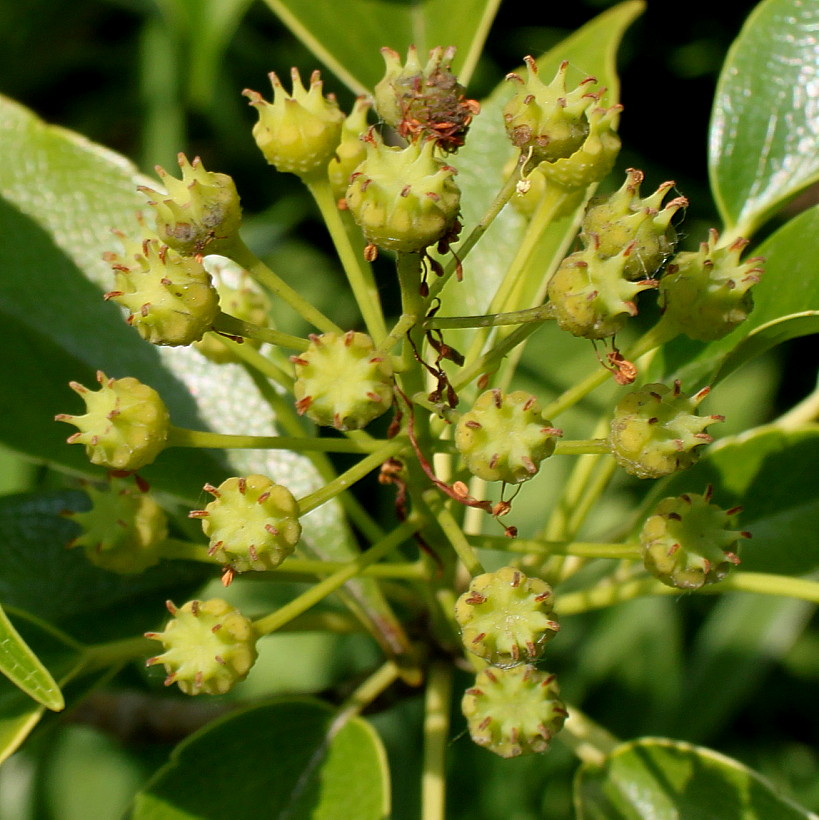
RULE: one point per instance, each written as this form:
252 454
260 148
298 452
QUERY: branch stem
231 326
180 437
359 273
437 703
274 621
349 477
243 256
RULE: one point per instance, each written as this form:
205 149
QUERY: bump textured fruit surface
514 711
506 617
209 647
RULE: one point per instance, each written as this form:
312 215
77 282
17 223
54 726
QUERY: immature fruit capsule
252 523
209 647
342 381
298 133
426 102
239 297
351 151
514 711
506 617
655 430
126 424
686 542
123 530
590 296
621 219
200 212
404 199
706 294
170 298
547 119
505 437
593 160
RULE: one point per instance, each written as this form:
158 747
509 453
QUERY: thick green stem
349 477
261 363
584 549
359 273
180 437
277 619
573 603
546 209
515 317
243 256
413 305
104 655
503 196
489 360
800 415
403 326
437 706
456 537
574 490
367 692
176 549
231 326
587 739
579 447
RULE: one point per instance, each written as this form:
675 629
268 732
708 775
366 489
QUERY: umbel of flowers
444 430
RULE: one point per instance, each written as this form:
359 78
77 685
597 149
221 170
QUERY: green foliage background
738 674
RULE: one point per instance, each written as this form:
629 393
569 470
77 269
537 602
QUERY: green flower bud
547 119
239 297
298 133
514 711
124 528
623 219
253 523
706 294
209 647
342 382
590 296
593 160
200 212
655 430
351 151
505 437
426 102
506 617
404 199
126 424
170 298
686 542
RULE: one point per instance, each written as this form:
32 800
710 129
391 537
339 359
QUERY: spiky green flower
209 647
298 133
126 424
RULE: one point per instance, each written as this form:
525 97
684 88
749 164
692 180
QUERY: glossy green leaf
348 41
591 50
24 669
764 143
666 780
19 714
60 195
287 758
772 474
786 305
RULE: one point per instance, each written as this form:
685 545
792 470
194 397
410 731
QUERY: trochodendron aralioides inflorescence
432 401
